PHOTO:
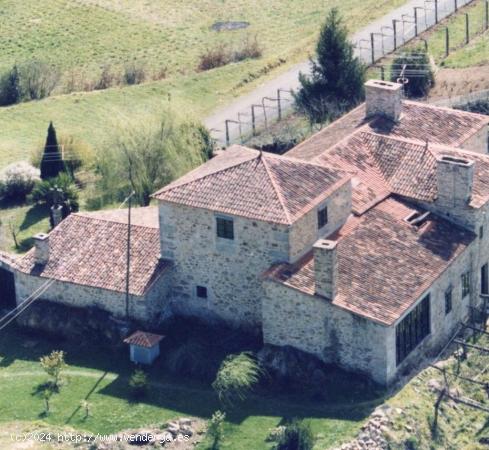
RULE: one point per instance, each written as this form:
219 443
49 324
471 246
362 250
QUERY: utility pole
128 254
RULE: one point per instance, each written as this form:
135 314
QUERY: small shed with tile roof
144 347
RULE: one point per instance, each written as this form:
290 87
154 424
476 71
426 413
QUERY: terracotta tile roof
381 165
146 216
385 264
419 121
144 339
246 183
92 252
437 124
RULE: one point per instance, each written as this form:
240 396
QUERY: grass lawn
462 55
160 34
101 376
26 221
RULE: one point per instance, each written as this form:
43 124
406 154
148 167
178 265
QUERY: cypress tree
51 163
337 76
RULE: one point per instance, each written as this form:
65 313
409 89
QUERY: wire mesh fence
386 40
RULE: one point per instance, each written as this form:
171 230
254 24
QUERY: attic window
417 218
451 159
322 217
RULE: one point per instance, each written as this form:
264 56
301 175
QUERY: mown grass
101 375
90 33
80 36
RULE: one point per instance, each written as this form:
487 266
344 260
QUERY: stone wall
144 308
305 231
313 325
442 325
230 269
478 142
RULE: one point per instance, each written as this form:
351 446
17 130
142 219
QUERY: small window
201 292
481 232
225 228
465 284
322 217
448 300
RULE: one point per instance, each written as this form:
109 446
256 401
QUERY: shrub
222 54
214 57
417 70
477 106
106 78
60 190
38 80
17 181
138 383
10 92
215 430
296 436
249 50
53 364
236 378
76 153
134 74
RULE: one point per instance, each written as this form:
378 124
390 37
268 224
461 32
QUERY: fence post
227 132
415 21
372 43
487 14
436 11
456 5
253 125
467 33
394 29
447 42
279 106
382 73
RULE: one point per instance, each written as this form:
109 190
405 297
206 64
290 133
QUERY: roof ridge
276 189
84 216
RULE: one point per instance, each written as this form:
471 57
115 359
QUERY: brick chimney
454 177
41 248
383 98
325 268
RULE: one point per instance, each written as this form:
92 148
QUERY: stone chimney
383 98
41 248
325 268
454 177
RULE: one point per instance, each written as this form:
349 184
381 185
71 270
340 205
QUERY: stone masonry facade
328 251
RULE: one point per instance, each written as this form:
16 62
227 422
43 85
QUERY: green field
101 375
82 36
461 54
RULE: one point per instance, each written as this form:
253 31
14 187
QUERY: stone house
366 245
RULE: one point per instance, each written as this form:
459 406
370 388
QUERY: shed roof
144 339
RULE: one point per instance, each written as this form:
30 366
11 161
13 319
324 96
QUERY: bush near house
17 181
414 66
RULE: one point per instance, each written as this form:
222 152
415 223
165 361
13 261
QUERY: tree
337 76
10 92
38 79
215 430
414 65
237 376
46 395
148 155
53 364
297 436
51 164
